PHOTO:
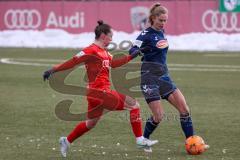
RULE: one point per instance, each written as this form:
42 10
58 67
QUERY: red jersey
97 63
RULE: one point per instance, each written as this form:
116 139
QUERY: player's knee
131 103
157 118
136 105
91 123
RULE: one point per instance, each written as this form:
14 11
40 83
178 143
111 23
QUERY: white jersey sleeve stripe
80 54
138 43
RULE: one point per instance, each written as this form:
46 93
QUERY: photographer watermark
103 97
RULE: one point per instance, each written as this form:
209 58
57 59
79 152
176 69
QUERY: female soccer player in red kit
100 97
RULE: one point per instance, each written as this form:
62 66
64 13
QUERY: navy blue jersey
155 80
158 43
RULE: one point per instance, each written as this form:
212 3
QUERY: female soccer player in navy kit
156 83
100 97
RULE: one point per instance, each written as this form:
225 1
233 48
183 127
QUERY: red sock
136 122
80 129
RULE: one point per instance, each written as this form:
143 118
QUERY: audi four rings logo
215 21
22 19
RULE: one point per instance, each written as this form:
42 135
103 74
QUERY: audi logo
215 21
22 19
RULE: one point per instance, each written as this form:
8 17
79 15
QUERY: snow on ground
61 39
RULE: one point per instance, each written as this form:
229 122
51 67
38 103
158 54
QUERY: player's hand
145 49
136 53
47 74
140 51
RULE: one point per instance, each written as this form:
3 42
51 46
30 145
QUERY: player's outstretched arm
117 62
125 59
64 66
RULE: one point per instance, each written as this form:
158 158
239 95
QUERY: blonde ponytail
156 10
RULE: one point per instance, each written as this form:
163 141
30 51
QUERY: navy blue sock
149 127
186 123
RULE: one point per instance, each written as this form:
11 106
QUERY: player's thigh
113 100
166 86
95 108
100 99
178 101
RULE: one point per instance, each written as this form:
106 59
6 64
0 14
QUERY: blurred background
192 25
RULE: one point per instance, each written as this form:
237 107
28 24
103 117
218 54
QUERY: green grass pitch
29 128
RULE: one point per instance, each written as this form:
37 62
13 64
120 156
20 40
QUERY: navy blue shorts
156 87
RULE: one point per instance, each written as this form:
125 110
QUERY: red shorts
98 100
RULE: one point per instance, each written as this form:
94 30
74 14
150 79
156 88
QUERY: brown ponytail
101 28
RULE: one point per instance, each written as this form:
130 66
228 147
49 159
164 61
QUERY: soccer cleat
206 146
147 149
64 145
146 143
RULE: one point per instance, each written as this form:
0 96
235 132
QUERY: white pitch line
203 65
10 61
39 60
222 55
204 69
173 67
199 65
